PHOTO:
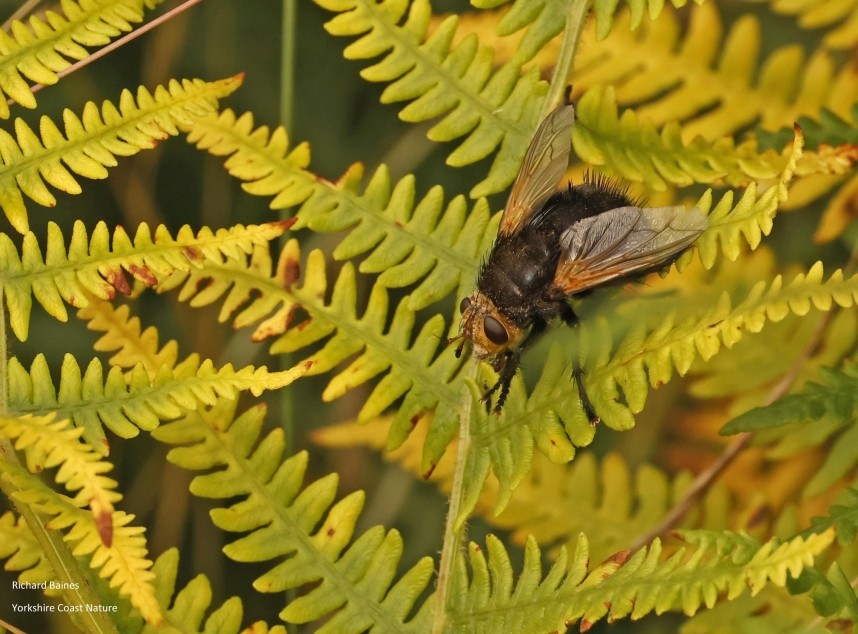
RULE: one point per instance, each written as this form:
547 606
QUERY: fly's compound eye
495 331
465 304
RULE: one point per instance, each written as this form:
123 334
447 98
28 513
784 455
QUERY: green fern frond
843 516
97 263
832 593
122 562
838 17
836 398
636 150
409 364
42 47
623 587
353 584
828 128
405 240
127 403
190 604
92 142
543 19
493 109
708 82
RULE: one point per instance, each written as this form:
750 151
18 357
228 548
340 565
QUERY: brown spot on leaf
116 278
104 525
585 625
331 531
291 272
416 418
192 253
286 223
143 273
430 471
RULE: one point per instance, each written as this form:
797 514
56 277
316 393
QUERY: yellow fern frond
123 334
635 149
127 403
838 17
42 47
91 142
122 562
48 443
710 84
96 264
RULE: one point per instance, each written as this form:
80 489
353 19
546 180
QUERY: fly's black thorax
518 275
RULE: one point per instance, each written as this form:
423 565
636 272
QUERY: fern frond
493 109
635 149
124 337
92 141
618 379
752 217
843 516
123 562
42 47
623 587
190 604
405 240
409 364
353 583
838 17
21 551
836 398
126 404
50 443
97 263
708 82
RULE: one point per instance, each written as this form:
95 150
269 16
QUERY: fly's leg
571 319
506 365
589 410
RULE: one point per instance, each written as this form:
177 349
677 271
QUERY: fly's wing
544 163
623 241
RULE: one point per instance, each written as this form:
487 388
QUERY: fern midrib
259 491
486 113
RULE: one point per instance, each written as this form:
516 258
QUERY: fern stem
575 22
455 526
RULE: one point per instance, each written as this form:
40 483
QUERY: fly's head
489 331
